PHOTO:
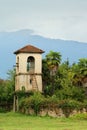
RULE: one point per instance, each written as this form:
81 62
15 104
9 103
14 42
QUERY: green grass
17 121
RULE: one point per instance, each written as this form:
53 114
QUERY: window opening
30 64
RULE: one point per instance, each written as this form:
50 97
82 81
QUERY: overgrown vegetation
64 85
7 92
38 102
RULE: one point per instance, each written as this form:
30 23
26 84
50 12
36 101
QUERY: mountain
12 41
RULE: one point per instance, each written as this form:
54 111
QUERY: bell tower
28 69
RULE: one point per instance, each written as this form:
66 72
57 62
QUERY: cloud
64 19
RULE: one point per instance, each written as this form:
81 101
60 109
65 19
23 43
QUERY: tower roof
29 49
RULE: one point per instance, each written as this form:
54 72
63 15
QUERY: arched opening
30 64
17 64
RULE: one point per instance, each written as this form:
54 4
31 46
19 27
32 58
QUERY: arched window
17 64
31 64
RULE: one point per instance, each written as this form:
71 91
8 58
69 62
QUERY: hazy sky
63 19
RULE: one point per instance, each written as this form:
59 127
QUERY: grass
17 121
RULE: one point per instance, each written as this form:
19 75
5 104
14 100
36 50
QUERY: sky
59 19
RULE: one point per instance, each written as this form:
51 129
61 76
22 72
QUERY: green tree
11 76
7 90
80 71
53 60
45 74
82 64
10 84
66 82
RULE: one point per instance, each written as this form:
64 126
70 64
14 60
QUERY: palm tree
53 60
80 71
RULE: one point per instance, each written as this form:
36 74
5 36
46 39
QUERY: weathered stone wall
55 112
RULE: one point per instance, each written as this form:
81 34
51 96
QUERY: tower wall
23 62
24 78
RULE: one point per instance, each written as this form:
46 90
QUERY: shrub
33 101
71 104
73 93
2 110
23 93
38 102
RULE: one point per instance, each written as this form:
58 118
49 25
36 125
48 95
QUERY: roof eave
17 52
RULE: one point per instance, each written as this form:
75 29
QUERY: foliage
51 63
75 93
7 90
38 102
53 59
45 73
33 101
61 81
71 104
68 81
23 93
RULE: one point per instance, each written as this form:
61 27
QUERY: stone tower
28 69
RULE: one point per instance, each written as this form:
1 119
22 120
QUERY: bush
73 93
23 93
2 110
38 102
33 102
71 104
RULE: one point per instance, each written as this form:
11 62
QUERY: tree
82 64
11 76
45 73
53 60
67 83
11 84
80 71
7 90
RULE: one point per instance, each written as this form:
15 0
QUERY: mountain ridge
12 41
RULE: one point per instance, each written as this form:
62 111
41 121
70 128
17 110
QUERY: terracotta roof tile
29 49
